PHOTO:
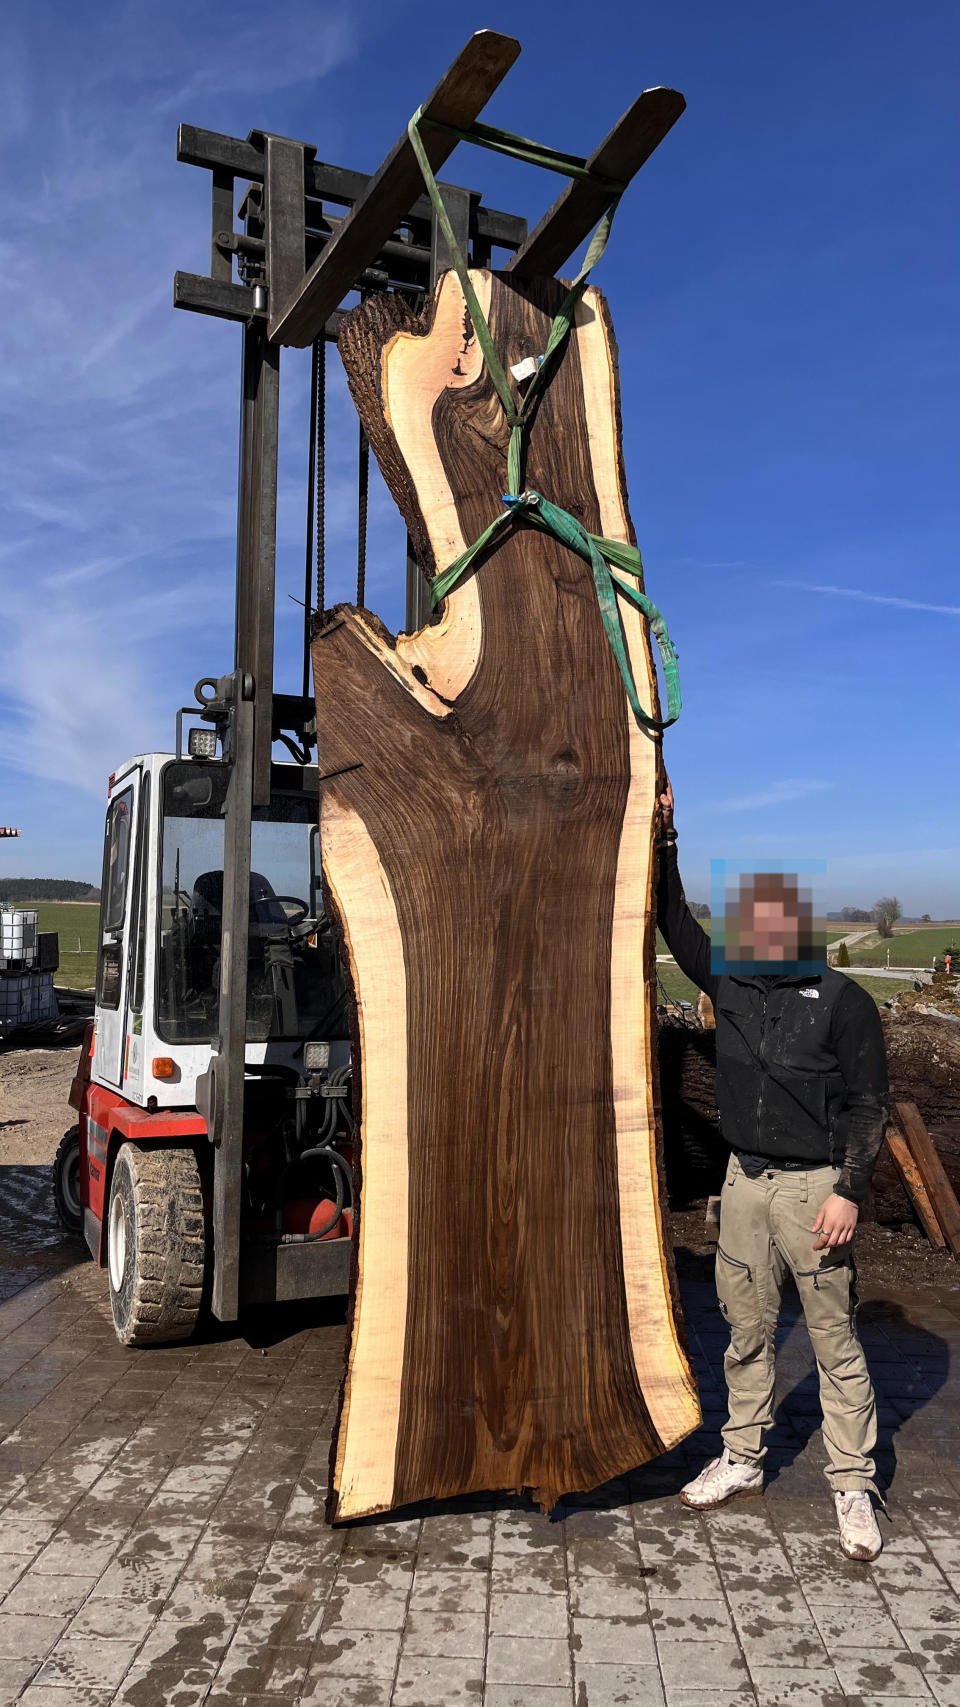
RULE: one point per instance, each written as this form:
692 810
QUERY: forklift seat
206 904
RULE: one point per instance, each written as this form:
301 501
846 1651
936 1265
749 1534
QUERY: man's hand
666 805
836 1222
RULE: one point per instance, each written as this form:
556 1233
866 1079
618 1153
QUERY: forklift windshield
294 983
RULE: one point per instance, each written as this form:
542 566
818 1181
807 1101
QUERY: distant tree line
19 889
884 914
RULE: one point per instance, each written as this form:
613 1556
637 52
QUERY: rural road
921 972
855 936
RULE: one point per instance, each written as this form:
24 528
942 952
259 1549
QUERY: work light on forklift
316 1056
202 743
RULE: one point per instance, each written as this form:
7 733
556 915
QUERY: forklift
212 1164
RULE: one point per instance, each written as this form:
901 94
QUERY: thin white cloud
870 598
704 563
119 417
791 788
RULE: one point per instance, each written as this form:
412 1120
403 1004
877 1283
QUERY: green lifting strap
602 554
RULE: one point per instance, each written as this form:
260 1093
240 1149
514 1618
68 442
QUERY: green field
883 989
77 923
679 989
675 985
910 946
661 945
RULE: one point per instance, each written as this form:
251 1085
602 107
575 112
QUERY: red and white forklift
211 1164
138 1175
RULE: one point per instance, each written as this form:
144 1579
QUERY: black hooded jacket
801 1063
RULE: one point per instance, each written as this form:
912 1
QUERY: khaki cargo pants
765 1229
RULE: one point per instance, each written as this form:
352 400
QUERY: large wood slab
487 824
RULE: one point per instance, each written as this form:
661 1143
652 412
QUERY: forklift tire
155 1245
66 1183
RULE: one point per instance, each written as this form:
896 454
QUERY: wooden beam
939 1189
458 98
578 208
914 1186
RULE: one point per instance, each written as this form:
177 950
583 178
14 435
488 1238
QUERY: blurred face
765 923
768 931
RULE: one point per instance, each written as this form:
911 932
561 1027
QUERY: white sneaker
859 1533
722 1480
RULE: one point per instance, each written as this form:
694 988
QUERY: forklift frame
295 263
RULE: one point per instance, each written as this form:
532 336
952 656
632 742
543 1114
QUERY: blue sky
783 282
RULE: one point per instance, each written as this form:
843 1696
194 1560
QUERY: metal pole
363 490
311 517
226 1074
257 536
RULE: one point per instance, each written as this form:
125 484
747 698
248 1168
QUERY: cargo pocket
737 1291
828 1293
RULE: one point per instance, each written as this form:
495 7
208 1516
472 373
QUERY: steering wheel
294 901
302 926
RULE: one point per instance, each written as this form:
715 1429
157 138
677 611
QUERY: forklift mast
309 235
299 221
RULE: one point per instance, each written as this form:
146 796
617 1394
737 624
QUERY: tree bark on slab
487 811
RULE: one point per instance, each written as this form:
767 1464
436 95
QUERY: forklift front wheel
155 1245
66 1183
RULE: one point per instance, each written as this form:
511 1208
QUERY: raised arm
860 1049
687 941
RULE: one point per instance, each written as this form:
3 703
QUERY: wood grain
359 893
915 1187
506 798
939 1189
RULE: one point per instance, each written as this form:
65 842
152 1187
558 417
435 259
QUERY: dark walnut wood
486 824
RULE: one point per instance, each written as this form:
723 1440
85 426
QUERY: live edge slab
487 821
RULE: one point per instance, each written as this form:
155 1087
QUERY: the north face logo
814 993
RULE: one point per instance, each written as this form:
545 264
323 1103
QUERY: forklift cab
165 1185
159 971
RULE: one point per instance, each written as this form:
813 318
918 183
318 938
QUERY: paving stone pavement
162 1541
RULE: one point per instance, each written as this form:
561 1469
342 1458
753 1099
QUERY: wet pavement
162 1541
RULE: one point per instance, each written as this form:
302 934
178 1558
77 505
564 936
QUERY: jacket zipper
734 1263
763 1078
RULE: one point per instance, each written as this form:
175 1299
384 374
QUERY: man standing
802 1093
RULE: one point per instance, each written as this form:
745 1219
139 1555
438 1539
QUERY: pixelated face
766 922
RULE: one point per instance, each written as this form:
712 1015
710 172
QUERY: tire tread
170 1247
71 1224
